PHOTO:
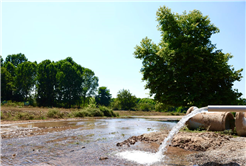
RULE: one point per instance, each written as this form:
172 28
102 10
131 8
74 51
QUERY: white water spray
150 158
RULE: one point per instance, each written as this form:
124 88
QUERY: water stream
75 142
142 157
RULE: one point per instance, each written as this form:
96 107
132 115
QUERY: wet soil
211 148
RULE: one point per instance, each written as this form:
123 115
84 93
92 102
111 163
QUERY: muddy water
83 142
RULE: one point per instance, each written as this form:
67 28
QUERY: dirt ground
213 148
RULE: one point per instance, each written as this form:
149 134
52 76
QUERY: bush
1 115
55 114
24 116
160 107
107 112
79 114
144 107
115 105
93 112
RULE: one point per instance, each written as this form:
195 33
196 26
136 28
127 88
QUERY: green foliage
1 115
80 114
16 59
241 101
94 112
25 79
89 84
7 84
160 107
179 109
69 82
24 116
46 83
126 100
10 68
2 61
145 104
53 113
144 107
185 68
115 104
103 97
63 83
146 100
107 112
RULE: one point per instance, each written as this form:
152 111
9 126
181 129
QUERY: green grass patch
1 115
53 113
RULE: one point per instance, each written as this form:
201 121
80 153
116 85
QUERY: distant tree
16 59
185 68
25 79
2 61
145 104
126 100
89 84
103 97
46 83
69 80
10 68
7 84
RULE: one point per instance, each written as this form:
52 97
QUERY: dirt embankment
212 148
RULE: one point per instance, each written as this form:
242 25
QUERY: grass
201 130
149 113
13 112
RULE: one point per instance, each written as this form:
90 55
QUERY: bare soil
212 148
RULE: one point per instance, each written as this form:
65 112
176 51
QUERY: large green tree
25 79
185 68
103 97
7 84
69 80
89 85
46 83
10 68
16 59
126 100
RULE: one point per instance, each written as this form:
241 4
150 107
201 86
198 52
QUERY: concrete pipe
241 123
212 121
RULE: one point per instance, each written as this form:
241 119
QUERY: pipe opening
229 122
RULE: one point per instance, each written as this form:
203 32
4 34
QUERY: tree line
61 84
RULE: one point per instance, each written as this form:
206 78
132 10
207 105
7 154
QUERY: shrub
115 105
1 115
24 116
107 112
79 113
55 114
160 107
144 107
91 111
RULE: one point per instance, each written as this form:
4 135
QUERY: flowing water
142 157
77 142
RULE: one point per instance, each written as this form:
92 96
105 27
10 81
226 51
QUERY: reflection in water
80 142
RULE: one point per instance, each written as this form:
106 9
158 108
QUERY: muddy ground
213 148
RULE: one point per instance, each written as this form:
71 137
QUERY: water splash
150 158
176 128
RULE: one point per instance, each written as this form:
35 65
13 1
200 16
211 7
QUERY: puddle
80 142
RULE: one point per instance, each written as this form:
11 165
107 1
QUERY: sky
101 36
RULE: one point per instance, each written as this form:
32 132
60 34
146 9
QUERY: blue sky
102 35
